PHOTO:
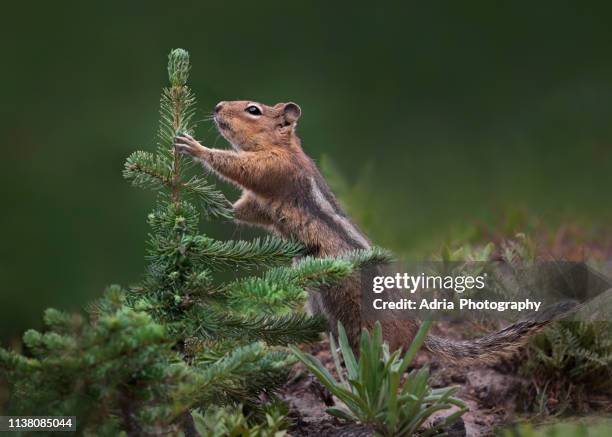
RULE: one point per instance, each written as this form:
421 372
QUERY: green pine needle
178 67
213 201
260 252
149 171
211 323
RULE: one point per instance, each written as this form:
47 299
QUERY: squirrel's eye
253 110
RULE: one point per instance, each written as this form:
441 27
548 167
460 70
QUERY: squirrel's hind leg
249 211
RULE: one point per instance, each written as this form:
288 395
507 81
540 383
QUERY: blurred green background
441 115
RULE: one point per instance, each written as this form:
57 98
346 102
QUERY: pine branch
312 272
213 201
12 363
240 377
363 258
163 169
155 171
255 253
283 288
287 329
61 322
210 323
267 375
213 382
169 217
147 170
177 110
254 295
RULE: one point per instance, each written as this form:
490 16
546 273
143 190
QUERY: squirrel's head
253 126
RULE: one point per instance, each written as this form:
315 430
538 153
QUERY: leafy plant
231 422
521 248
372 389
465 253
567 362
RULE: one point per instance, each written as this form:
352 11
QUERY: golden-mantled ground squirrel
284 192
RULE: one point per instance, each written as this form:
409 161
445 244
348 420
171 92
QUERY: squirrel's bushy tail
499 343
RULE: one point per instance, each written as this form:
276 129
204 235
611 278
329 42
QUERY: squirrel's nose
218 107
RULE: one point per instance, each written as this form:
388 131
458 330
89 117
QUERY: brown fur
283 191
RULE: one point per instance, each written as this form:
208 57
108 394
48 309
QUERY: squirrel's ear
292 112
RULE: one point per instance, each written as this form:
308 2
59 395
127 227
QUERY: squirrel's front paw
188 145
